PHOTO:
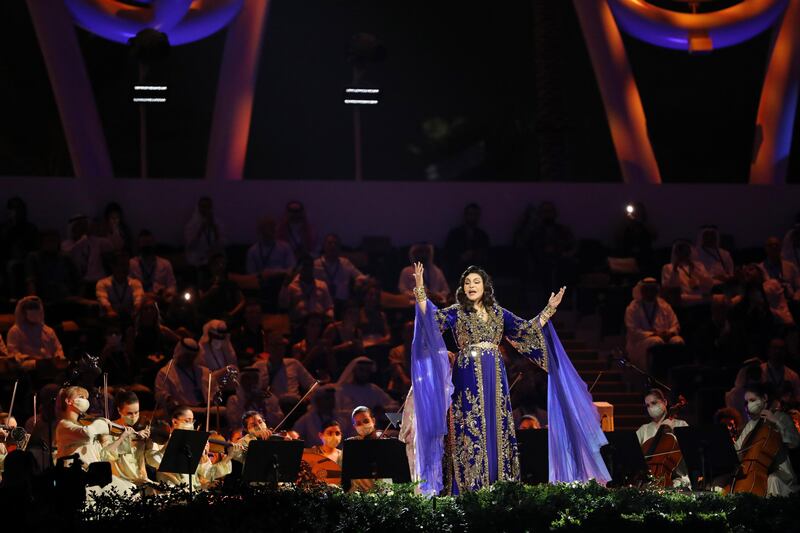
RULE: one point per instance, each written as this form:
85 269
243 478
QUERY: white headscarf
637 289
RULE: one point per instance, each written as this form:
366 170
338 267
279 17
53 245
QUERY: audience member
154 272
251 397
716 260
649 321
248 339
285 377
344 338
635 237
467 244
790 250
216 350
312 350
400 364
119 294
51 274
86 250
269 256
336 271
355 387
203 234
30 340
220 297
435 281
114 228
302 294
296 229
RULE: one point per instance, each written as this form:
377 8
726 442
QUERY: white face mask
81 404
655 411
130 420
331 441
754 407
365 430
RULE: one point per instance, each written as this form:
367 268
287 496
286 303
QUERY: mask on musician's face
81 404
754 407
365 429
655 411
331 441
130 420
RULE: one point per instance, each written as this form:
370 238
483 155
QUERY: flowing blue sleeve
526 337
574 432
433 386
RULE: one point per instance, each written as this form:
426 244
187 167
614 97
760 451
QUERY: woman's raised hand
555 298
419 270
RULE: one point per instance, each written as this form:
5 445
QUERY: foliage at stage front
503 507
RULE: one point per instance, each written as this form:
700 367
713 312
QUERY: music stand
184 450
709 453
624 459
273 461
534 463
374 459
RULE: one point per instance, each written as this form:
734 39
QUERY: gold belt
482 345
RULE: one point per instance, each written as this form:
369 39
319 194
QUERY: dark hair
329 424
759 389
247 415
125 397
658 393
488 289
728 413
113 207
179 410
472 205
361 409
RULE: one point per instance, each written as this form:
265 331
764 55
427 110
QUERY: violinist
73 437
255 428
128 459
656 404
782 480
206 473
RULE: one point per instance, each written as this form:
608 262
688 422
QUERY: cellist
782 480
656 404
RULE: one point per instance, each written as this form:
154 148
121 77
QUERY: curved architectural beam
690 32
72 90
621 98
233 108
778 105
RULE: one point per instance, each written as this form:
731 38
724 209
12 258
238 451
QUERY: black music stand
624 459
273 461
374 459
534 462
184 450
709 453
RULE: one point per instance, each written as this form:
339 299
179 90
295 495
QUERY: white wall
412 211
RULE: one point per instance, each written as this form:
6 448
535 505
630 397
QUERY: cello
757 456
661 451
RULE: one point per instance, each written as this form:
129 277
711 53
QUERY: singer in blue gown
475 388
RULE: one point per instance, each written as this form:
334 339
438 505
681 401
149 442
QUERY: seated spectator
251 397
321 412
344 338
115 358
650 321
635 237
774 371
336 271
248 339
312 350
355 388
435 281
284 377
302 295
400 364
269 256
296 229
784 272
717 261
18 238
216 350
687 275
791 247
30 339
148 340
114 228
120 295
185 382
86 250
155 273
552 247
529 422
203 234
220 297
467 244
50 273
373 324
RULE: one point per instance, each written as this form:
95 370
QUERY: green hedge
503 507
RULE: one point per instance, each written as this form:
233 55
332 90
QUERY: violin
114 429
757 456
661 452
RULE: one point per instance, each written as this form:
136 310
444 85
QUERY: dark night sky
516 74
